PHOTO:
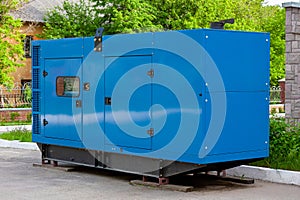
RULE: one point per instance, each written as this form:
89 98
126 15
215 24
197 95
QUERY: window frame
27 46
60 94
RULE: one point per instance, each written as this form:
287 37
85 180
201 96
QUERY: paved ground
20 180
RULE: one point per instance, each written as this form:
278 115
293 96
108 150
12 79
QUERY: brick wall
6 115
24 73
292 80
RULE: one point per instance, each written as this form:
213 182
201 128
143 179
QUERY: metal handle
107 100
86 86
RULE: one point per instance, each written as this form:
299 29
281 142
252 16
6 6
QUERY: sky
279 2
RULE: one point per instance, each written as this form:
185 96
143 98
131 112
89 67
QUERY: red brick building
32 15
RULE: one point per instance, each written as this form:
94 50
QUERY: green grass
287 164
15 123
23 135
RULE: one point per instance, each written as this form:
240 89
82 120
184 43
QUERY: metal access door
62 99
128 100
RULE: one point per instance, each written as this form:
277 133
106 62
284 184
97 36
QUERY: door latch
107 100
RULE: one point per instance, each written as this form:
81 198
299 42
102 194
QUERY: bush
14 115
28 117
284 146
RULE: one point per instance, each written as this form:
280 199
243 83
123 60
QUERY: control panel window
67 86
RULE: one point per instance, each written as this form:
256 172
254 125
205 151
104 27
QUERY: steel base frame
157 168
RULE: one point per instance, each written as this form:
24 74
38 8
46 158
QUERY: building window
27 46
26 83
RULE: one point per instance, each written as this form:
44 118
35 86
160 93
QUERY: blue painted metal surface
119 122
61 113
203 93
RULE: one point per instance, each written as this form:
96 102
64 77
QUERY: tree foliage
11 45
275 24
125 16
72 20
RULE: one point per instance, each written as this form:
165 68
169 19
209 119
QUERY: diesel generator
156 104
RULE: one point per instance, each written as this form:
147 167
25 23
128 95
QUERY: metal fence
275 95
17 97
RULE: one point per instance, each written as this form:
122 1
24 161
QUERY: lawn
15 123
22 135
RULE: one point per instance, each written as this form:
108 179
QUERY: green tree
11 45
72 20
83 18
185 14
126 16
274 22
182 14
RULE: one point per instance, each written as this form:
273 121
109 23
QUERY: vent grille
36 101
36 124
36 117
36 78
36 56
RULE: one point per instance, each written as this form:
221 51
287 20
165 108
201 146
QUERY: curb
266 174
18 145
260 173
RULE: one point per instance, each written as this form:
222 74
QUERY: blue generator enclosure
156 104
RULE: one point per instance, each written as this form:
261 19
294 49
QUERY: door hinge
150 131
150 73
45 122
45 73
78 103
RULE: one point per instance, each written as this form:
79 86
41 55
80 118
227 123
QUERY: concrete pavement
261 173
18 145
20 180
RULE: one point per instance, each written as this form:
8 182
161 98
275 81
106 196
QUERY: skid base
158 168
